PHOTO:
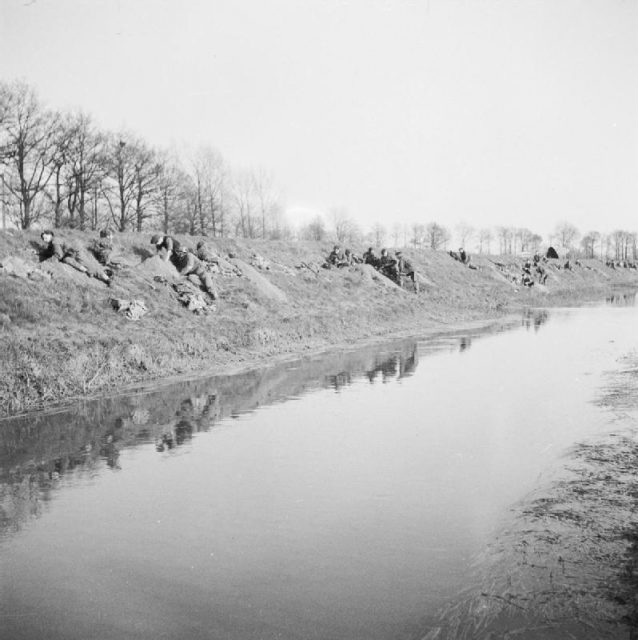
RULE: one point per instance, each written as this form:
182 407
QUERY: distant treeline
60 169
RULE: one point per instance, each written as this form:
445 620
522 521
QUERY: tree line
59 168
504 240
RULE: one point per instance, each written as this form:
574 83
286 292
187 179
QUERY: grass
60 338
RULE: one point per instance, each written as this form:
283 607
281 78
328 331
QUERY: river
341 496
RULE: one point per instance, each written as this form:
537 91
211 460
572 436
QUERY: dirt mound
266 288
60 271
371 274
155 266
12 265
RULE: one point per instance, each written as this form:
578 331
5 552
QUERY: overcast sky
521 112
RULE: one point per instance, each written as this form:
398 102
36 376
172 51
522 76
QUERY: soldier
405 268
388 265
336 258
542 273
189 264
527 267
462 255
370 258
351 258
103 248
69 255
165 245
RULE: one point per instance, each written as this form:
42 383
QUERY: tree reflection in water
38 451
626 299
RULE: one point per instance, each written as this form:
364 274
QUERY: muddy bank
63 338
566 563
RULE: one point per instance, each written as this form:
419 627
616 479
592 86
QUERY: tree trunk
165 211
82 209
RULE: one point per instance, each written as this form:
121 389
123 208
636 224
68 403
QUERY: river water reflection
338 497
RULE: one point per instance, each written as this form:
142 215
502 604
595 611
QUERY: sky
488 112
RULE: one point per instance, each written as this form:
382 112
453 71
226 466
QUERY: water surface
337 497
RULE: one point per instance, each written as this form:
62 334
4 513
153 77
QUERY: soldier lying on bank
165 245
188 264
68 254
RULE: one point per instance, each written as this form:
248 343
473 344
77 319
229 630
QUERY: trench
341 496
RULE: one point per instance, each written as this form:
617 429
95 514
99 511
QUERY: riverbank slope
62 337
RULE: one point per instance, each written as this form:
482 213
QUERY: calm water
338 497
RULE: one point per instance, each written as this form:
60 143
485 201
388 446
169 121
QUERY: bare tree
437 235
417 234
485 240
147 172
566 234
28 148
397 230
464 232
588 243
621 241
59 186
172 188
505 236
245 203
523 236
535 242
341 222
120 183
268 202
315 229
379 234
210 179
87 165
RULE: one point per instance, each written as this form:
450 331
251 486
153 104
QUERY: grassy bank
61 337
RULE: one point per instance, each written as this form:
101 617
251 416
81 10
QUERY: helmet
156 239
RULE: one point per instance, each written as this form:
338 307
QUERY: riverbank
62 338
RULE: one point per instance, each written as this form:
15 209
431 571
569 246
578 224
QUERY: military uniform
404 268
72 256
388 266
189 264
370 258
336 258
102 250
165 245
